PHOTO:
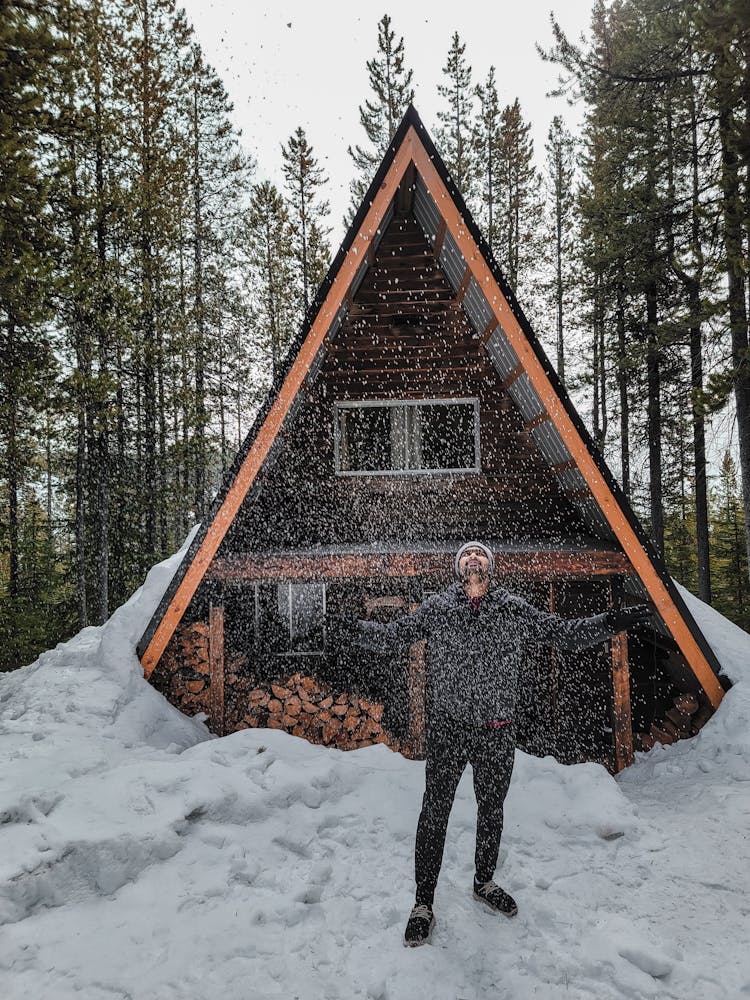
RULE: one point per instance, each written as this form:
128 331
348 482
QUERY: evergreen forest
151 277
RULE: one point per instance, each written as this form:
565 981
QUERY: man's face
474 562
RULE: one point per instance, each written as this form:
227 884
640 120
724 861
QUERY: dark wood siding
405 337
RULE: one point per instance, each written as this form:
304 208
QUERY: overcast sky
302 62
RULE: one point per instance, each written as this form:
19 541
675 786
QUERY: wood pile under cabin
417 410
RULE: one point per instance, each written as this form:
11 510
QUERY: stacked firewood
189 667
302 707
685 718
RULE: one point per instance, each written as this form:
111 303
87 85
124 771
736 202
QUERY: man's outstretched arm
381 637
578 633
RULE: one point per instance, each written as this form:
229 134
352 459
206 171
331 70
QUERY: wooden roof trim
551 401
540 564
280 407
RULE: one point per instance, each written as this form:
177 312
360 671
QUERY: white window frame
404 404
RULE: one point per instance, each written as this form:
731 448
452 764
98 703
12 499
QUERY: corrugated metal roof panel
502 355
634 586
425 211
571 480
335 326
524 396
593 518
452 262
550 444
476 307
359 276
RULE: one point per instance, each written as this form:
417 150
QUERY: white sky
302 62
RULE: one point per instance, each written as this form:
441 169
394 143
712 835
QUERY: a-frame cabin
416 410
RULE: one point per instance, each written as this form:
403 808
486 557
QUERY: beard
478 572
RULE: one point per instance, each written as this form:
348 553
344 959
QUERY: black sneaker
495 897
419 926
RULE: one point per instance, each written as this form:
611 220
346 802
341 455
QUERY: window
302 615
420 436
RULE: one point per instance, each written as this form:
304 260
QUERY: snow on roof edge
730 643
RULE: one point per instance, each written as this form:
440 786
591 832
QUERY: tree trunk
622 385
653 375
80 519
12 462
200 339
699 448
148 321
731 206
101 440
559 278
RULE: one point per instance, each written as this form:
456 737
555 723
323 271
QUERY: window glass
365 438
446 436
407 436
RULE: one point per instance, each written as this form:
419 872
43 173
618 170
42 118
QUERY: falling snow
144 859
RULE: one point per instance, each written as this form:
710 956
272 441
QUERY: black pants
490 753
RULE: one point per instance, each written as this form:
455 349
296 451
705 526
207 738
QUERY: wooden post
621 720
622 726
216 667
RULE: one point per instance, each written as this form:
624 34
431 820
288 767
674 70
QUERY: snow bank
730 643
139 858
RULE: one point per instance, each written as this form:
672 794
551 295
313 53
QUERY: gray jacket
474 658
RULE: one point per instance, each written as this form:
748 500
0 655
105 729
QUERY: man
476 633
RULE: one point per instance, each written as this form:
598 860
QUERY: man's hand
624 618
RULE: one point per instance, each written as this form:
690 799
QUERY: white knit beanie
475 545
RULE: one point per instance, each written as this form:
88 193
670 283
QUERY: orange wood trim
508 381
622 725
439 237
216 667
554 407
305 566
488 331
540 418
281 405
463 286
565 466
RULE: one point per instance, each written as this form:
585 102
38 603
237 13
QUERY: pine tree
627 208
270 268
97 302
307 213
219 183
520 205
391 84
455 130
724 31
488 144
157 38
27 247
88 195
728 553
560 175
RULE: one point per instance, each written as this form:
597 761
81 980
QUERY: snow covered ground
143 859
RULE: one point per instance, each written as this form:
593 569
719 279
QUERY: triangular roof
516 354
